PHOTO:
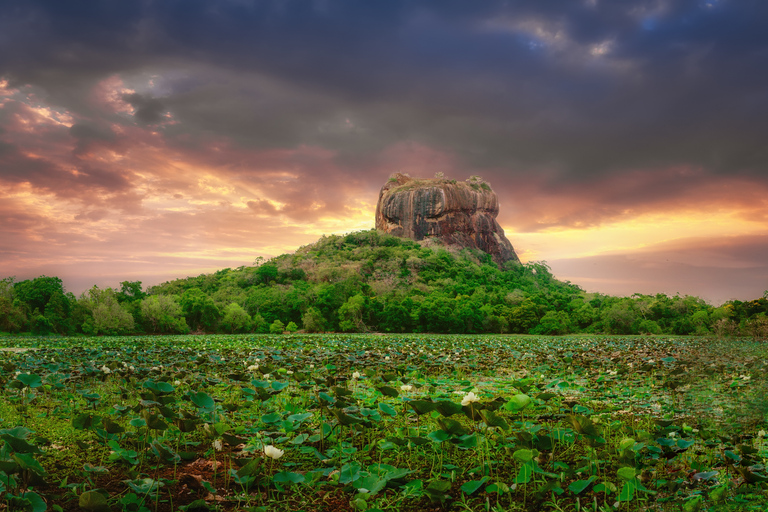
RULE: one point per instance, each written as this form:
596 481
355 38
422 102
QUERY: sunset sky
148 140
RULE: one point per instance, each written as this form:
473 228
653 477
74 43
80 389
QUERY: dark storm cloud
51 177
574 93
89 137
148 110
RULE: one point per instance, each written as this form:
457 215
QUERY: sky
150 140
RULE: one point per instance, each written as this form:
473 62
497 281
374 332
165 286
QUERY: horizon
153 141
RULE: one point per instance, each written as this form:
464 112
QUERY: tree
259 324
106 314
130 291
236 319
523 317
277 327
163 314
199 310
351 314
38 292
553 322
291 327
13 318
313 321
58 312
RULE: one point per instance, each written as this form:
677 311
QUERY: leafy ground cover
369 422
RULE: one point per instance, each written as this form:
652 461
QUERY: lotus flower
273 452
469 398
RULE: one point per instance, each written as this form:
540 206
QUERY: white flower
761 433
253 367
356 375
386 358
469 398
177 383
311 366
266 376
745 377
106 369
272 452
218 445
406 387
289 372
672 434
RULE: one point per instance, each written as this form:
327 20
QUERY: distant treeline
368 281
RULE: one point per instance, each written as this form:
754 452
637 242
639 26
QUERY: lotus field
380 422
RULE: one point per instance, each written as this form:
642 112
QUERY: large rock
459 214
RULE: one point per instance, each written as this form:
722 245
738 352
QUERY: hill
368 281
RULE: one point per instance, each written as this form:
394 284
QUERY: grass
368 422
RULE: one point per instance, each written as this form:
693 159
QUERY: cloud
148 110
716 270
582 115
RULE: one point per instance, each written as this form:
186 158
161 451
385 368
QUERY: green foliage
199 310
236 319
107 316
277 327
163 314
36 293
370 281
313 321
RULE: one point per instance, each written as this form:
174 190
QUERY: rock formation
459 214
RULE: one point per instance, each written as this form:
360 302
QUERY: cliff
455 213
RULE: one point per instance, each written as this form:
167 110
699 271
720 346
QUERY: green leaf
437 489
525 455
344 418
299 418
272 417
583 425
694 504
518 402
422 406
525 474
452 427
579 485
349 473
27 461
628 491
438 436
34 502
447 408
250 469
625 443
626 473
84 421
19 445
493 420
279 386
388 391
288 477
387 409
473 485
93 501
203 401
30 380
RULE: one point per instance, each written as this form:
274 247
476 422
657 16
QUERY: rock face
455 213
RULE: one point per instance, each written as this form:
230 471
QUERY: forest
368 282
